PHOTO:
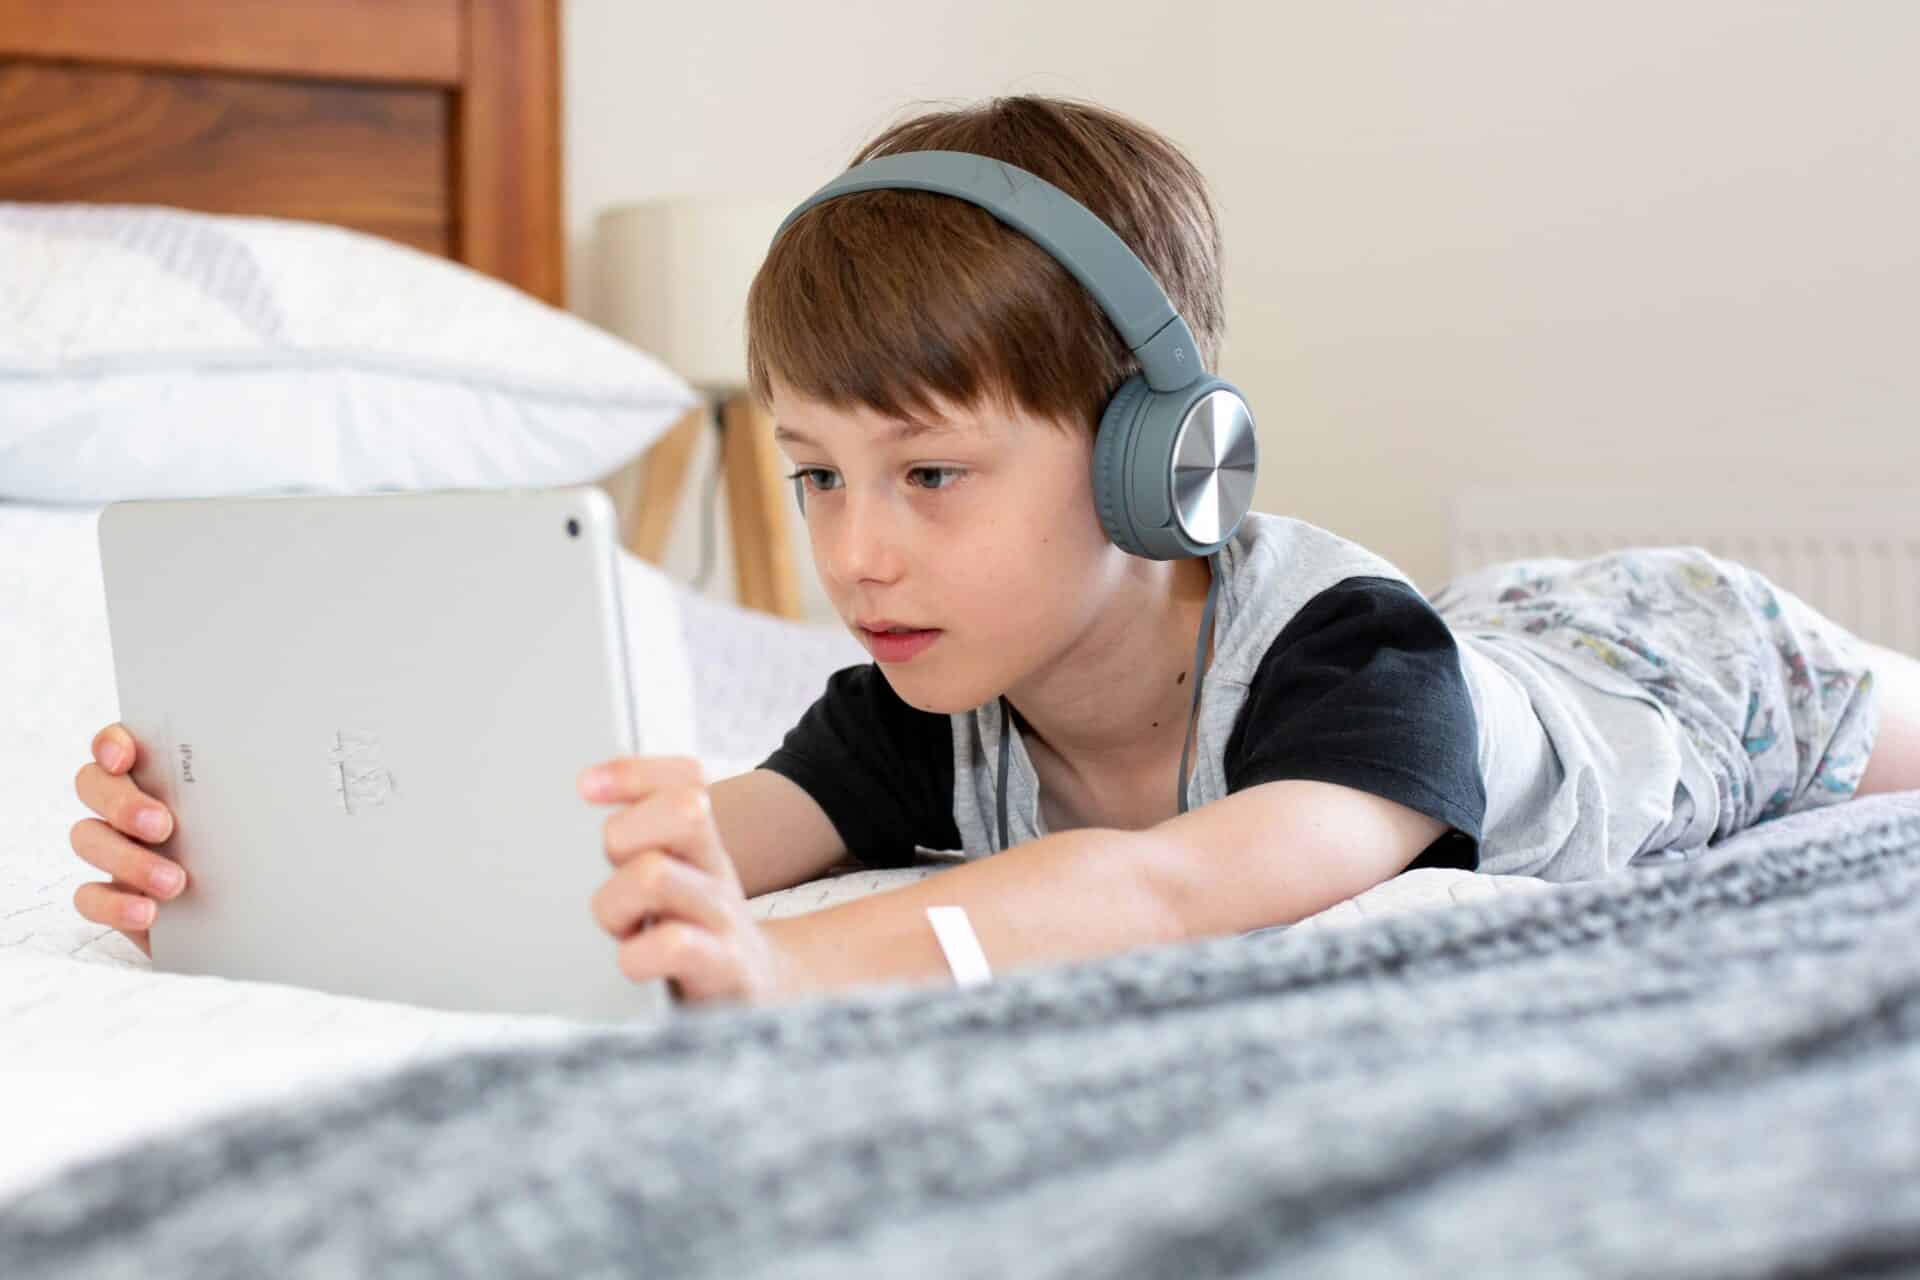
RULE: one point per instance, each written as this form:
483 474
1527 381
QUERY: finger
116 798
633 778
659 885
117 905
127 861
115 748
676 819
700 965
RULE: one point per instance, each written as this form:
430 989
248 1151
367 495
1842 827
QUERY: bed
1702 1067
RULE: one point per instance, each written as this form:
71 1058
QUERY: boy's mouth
897 644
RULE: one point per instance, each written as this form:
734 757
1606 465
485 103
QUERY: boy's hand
673 874
116 842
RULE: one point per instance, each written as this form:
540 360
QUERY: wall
1489 244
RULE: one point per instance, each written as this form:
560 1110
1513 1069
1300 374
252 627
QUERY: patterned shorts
1778 698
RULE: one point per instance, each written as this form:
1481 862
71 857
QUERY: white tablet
367 714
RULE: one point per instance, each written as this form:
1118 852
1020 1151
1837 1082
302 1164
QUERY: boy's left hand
670 866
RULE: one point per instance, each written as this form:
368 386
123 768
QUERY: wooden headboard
432 122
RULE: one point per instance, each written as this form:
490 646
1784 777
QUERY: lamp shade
673 279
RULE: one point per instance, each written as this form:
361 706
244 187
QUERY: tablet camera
573 527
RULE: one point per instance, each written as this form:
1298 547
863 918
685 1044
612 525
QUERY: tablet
367 714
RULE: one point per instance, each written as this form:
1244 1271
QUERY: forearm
1070 896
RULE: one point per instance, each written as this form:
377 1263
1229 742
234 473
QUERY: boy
936 378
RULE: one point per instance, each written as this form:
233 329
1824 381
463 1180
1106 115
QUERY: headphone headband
1086 246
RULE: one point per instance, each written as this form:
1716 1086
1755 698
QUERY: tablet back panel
367 714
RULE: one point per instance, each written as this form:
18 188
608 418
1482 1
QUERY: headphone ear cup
1195 446
1110 449
1138 481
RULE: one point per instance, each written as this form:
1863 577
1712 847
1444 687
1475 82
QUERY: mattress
101 1051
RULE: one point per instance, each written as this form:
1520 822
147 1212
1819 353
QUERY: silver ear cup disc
1213 466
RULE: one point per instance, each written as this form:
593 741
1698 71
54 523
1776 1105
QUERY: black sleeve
1363 688
882 770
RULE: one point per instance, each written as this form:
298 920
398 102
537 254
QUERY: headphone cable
1193 717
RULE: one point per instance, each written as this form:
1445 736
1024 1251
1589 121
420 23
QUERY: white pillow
155 353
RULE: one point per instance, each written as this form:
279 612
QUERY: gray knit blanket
1706 1068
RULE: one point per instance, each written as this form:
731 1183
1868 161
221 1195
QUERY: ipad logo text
186 762
360 781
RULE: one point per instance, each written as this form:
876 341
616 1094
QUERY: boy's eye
812 484
937 471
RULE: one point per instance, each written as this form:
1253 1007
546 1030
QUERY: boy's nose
863 546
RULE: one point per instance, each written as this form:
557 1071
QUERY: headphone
1174 458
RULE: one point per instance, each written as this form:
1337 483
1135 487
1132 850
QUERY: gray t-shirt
1273 568
1327 664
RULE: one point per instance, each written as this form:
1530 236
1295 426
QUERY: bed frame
432 122
435 123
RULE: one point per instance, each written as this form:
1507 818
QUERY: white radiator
1855 559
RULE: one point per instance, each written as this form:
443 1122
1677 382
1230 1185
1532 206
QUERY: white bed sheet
98 1051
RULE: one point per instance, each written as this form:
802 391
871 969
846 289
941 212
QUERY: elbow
1167 883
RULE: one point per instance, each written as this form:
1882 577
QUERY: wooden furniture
756 501
763 564
435 123
432 122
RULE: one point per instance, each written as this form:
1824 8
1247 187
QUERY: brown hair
883 297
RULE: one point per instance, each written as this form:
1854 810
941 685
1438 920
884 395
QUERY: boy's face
980 529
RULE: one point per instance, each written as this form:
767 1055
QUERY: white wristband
962 949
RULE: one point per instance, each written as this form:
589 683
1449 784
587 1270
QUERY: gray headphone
1175 456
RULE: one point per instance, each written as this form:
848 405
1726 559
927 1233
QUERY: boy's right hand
115 846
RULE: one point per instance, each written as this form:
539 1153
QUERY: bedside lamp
673 276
